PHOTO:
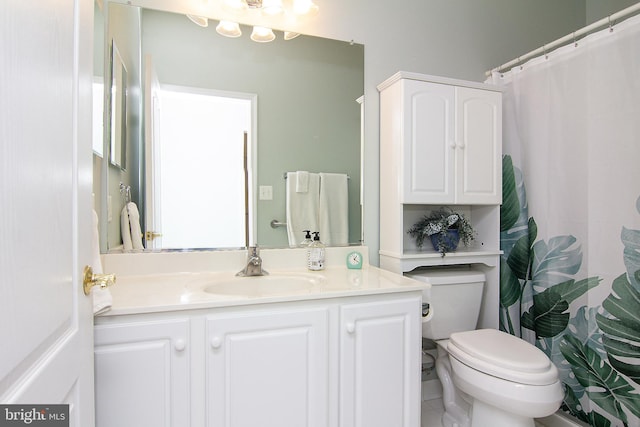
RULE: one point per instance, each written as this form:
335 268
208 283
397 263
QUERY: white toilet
489 378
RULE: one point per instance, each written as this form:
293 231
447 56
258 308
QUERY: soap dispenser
315 253
307 239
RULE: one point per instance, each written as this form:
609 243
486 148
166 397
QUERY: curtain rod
608 21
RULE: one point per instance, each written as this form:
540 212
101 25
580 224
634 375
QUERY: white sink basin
260 286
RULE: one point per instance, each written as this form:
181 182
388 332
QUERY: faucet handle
254 250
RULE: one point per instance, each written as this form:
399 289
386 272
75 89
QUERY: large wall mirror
300 97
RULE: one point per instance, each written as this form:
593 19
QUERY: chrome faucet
254 263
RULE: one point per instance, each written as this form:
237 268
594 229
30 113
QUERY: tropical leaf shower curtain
570 219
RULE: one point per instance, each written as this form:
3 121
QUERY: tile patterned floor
432 411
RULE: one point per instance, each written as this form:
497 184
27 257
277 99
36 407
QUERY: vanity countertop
150 292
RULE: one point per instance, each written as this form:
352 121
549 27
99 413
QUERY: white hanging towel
102 299
301 207
136 230
302 181
125 230
130 228
333 213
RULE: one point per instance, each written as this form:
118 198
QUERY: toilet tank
454 302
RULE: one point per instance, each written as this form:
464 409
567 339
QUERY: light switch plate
266 192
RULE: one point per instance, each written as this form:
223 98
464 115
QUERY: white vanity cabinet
268 369
142 373
441 140
379 358
332 362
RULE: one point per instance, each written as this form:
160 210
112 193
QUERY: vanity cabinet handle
216 342
180 345
351 327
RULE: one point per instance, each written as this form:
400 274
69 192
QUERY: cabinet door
269 369
429 145
142 374
479 146
380 364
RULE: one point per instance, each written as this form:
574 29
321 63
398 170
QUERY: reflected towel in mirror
301 208
333 212
130 228
302 181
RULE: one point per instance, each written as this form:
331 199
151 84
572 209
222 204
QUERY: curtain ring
520 62
610 26
575 42
544 50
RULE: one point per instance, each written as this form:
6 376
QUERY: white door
153 217
45 208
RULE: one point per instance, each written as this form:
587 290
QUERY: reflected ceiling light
199 20
272 7
262 14
234 5
304 8
297 8
262 34
290 35
254 4
229 29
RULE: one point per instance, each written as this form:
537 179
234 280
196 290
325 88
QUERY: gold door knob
150 235
90 280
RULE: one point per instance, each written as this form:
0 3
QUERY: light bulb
199 20
304 7
262 34
272 7
229 29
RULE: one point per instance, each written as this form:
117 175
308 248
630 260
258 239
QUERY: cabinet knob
452 145
351 327
461 145
216 342
180 345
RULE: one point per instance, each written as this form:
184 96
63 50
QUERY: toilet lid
502 355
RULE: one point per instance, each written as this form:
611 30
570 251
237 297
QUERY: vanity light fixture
272 7
262 34
199 20
229 29
297 9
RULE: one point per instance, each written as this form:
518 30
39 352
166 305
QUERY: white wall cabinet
142 373
446 140
441 145
341 362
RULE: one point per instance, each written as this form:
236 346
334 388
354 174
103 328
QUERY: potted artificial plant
445 228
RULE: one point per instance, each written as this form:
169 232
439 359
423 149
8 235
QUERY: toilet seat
503 356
